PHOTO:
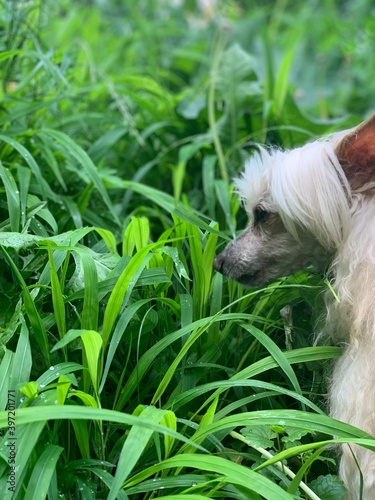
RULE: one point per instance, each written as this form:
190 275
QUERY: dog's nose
218 263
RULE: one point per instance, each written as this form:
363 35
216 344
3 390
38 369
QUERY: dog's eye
260 215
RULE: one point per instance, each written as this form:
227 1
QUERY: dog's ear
356 154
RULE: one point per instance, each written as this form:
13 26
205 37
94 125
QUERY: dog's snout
219 262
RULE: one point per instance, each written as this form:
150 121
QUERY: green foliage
129 361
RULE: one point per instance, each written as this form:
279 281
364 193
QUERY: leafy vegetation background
137 371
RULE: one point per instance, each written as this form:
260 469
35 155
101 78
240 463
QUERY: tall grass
135 370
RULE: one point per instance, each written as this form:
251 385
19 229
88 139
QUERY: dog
315 205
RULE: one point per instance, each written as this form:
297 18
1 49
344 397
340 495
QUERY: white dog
316 205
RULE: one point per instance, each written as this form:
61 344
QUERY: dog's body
316 205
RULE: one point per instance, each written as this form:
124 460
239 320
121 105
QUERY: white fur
324 219
308 187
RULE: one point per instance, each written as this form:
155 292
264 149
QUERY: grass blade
42 473
31 311
13 199
73 150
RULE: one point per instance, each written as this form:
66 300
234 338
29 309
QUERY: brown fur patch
356 154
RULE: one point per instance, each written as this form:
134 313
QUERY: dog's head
299 206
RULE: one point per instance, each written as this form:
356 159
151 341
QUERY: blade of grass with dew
68 240
190 216
86 399
295 484
74 211
57 370
118 332
76 152
229 472
92 343
299 450
24 177
135 444
296 478
136 235
31 311
296 356
22 362
157 483
108 238
207 261
5 375
27 438
241 403
183 398
169 420
147 359
108 479
124 286
276 353
222 195
196 256
50 159
69 337
57 296
166 202
207 418
82 434
208 182
13 199
20 240
215 306
185 348
311 422
62 389
185 153
36 207
42 473
90 309
214 71
281 82
31 415
45 189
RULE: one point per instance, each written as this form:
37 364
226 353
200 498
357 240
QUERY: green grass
137 371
